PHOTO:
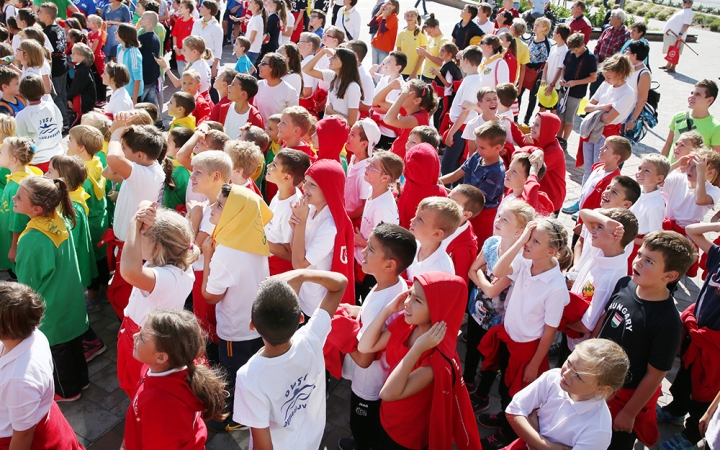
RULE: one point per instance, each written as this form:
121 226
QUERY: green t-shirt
708 127
53 273
97 219
84 246
10 222
62 7
174 197
3 178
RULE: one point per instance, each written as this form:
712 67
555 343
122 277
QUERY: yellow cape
95 168
242 222
80 196
18 176
53 227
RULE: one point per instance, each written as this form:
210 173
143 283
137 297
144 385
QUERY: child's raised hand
700 165
328 51
301 210
615 228
528 231
537 156
294 278
398 303
432 337
434 71
161 62
145 216
353 310
421 51
208 247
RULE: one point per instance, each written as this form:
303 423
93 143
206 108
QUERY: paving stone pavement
98 417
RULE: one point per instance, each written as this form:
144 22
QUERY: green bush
642 10
560 11
630 20
715 25
654 11
632 7
665 14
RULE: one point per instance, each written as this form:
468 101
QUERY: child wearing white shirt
436 218
363 137
567 406
650 207
281 389
40 121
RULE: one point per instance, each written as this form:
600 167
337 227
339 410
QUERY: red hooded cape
463 250
332 133
165 413
330 177
451 418
701 357
554 180
422 171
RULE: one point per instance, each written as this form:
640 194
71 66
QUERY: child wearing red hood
330 136
543 137
323 237
425 386
422 167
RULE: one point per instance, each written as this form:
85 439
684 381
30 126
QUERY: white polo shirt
320 234
438 261
356 188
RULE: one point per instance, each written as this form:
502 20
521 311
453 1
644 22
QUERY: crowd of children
303 219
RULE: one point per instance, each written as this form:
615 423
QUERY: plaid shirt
611 41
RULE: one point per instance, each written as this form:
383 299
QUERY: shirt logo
616 320
588 289
297 398
343 254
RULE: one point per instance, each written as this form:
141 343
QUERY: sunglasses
263 63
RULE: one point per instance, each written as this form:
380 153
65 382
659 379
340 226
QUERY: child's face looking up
373 256
416 310
682 147
614 196
647 175
506 224
576 381
275 171
535 129
538 246
374 172
190 85
271 128
412 141
21 202
145 349
515 177
422 226
52 173
202 180
217 208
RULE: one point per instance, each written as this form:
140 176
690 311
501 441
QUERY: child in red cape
426 384
543 136
330 178
422 169
330 137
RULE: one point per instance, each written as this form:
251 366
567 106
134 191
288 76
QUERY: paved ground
98 417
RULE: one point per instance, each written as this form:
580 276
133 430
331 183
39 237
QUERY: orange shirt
386 41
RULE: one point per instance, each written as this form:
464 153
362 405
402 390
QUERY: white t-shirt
290 24
255 24
39 72
368 86
587 248
233 121
366 383
203 69
172 286
352 97
278 230
678 20
390 97
212 33
468 91
585 425
320 234
308 80
273 100
680 200
535 301
356 188
596 280
294 80
650 211
119 101
237 274
43 124
26 384
349 23
380 209
438 261
144 183
488 27
555 63
207 228
622 98
497 72
287 393
593 179
712 435
322 64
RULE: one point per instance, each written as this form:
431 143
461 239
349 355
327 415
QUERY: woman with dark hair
345 90
291 53
639 80
274 94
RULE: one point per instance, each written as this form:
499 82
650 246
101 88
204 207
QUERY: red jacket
463 250
554 180
535 197
254 117
592 201
215 113
165 413
581 25
202 108
702 357
341 341
422 169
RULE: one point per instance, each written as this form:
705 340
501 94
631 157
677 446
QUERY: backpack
12 110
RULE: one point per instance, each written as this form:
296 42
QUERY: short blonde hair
99 121
214 161
245 156
606 361
448 214
8 126
191 73
661 163
545 22
172 239
300 117
523 212
88 137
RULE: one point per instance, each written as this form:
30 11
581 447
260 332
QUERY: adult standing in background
349 20
579 23
611 41
114 13
212 33
387 27
677 28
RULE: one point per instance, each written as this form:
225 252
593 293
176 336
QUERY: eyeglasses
263 63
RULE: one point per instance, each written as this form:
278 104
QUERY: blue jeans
378 56
591 153
253 56
423 5
149 95
451 158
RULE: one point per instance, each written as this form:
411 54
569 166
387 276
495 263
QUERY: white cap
372 132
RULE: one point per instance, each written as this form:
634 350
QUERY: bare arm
668 142
116 157
696 232
208 250
375 338
301 211
452 177
625 419
22 440
310 67
525 431
531 370
131 264
335 284
642 95
393 117
261 438
701 196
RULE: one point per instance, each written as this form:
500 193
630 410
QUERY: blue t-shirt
489 179
243 64
707 309
86 6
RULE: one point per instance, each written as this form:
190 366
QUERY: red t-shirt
398 146
181 30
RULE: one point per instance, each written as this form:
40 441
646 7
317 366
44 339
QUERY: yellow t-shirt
184 122
523 54
408 43
433 47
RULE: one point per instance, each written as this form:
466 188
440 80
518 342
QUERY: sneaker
664 416
59 399
563 143
92 306
471 387
224 426
491 421
479 404
231 425
347 444
93 349
495 441
572 208
574 217
677 442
